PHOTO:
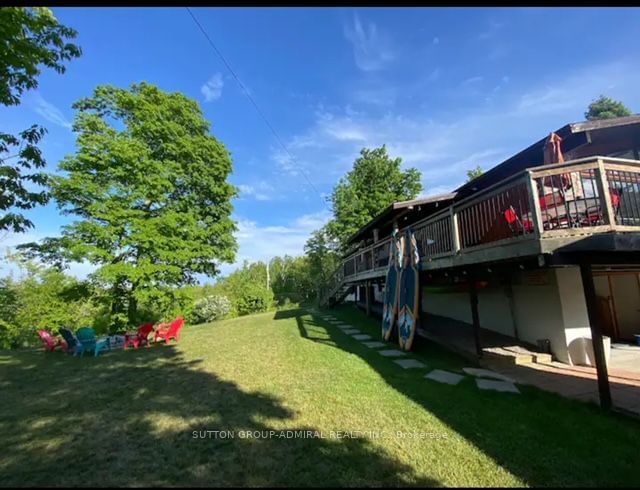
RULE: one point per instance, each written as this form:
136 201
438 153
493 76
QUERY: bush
253 298
210 308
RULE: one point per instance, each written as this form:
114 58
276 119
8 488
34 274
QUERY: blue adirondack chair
88 339
73 344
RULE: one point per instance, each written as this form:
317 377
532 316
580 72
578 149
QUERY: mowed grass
128 418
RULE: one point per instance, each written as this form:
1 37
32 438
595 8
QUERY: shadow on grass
129 418
540 437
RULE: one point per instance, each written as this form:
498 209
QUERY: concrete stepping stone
362 336
486 373
410 363
374 344
351 330
392 353
343 327
490 384
444 377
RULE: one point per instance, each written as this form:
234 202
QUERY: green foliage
210 308
42 298
149 187
247 289
606 108
322 257
17 179
30 37
254 298
291 279
375 182
474 173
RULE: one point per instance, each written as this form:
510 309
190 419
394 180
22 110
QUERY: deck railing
586 196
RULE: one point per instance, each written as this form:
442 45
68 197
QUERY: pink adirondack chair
140 337
168 331
50 342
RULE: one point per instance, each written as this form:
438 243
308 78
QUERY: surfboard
409 294
390 306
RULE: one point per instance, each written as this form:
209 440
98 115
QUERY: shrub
253 298
210 308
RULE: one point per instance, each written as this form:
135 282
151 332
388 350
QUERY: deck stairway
335 289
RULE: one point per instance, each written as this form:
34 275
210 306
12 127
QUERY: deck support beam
596 334
475 315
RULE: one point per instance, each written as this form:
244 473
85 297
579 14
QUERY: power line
255 105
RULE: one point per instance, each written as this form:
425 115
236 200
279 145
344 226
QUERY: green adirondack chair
88 339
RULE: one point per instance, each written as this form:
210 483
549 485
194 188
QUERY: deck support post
596 334
473 297
367 295
508 289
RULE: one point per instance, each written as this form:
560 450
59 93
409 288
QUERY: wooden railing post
534 204
605 195
455 237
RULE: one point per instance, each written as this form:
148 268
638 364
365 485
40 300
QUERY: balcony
535 211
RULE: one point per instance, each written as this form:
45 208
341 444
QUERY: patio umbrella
553 154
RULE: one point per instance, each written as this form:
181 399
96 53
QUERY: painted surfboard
390 306
409 294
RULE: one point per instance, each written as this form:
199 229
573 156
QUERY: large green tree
375 182
606 108
30 37
148 188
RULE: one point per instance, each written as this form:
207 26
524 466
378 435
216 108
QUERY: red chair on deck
593 215
50 342
167 331
516 224
140 337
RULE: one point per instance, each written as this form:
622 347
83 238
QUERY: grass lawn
128 418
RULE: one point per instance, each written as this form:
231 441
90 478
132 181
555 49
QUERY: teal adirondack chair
88 339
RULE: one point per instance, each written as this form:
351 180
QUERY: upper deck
539 210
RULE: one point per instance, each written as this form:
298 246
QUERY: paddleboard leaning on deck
408 302
390 307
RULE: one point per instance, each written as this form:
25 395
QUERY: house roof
391 212
573 135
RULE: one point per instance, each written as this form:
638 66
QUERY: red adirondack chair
50 342
140 337
169 331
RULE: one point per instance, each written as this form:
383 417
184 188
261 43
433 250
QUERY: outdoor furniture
88 339
168 331
593 214
515 223
50 342
73 344
140 337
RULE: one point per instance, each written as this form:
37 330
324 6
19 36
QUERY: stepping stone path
410 363
351 330
392 353
490 384
375 344
444 377
362 336
485 373
343 327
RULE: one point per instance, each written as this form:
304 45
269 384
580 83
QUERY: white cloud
371 47
445 147
212 90
47 110
260 191
263 242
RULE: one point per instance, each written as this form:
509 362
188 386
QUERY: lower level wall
547 304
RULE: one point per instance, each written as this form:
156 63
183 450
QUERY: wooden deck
506 221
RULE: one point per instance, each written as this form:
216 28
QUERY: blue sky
445 89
